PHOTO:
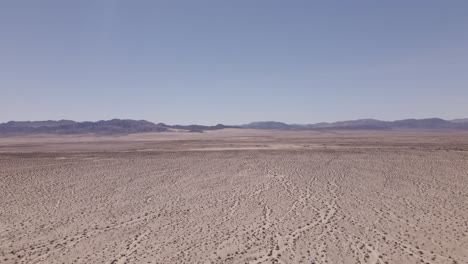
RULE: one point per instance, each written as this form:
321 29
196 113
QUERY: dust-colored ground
235 197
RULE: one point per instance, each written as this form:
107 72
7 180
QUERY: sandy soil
235 197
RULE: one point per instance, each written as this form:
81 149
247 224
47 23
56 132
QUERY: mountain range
114 126
128 126
368 124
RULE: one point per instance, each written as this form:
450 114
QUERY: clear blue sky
233 62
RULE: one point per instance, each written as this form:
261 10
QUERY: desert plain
235 196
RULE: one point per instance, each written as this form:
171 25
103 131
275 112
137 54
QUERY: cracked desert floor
235 196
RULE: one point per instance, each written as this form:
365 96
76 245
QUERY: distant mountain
268 125
114 126
367 124
459 120
127 126
200 128
358 124
429 123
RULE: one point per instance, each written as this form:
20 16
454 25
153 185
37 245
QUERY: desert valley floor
235 196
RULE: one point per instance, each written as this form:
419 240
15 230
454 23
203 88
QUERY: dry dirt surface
235 197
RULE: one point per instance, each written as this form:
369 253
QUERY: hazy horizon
212 124
210 62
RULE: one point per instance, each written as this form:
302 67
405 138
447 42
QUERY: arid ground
235 196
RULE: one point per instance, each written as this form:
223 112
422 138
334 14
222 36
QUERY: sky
233 62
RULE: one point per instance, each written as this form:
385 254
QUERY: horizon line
245 123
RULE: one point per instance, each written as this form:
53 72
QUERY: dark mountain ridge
128 126
114 126
367 124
